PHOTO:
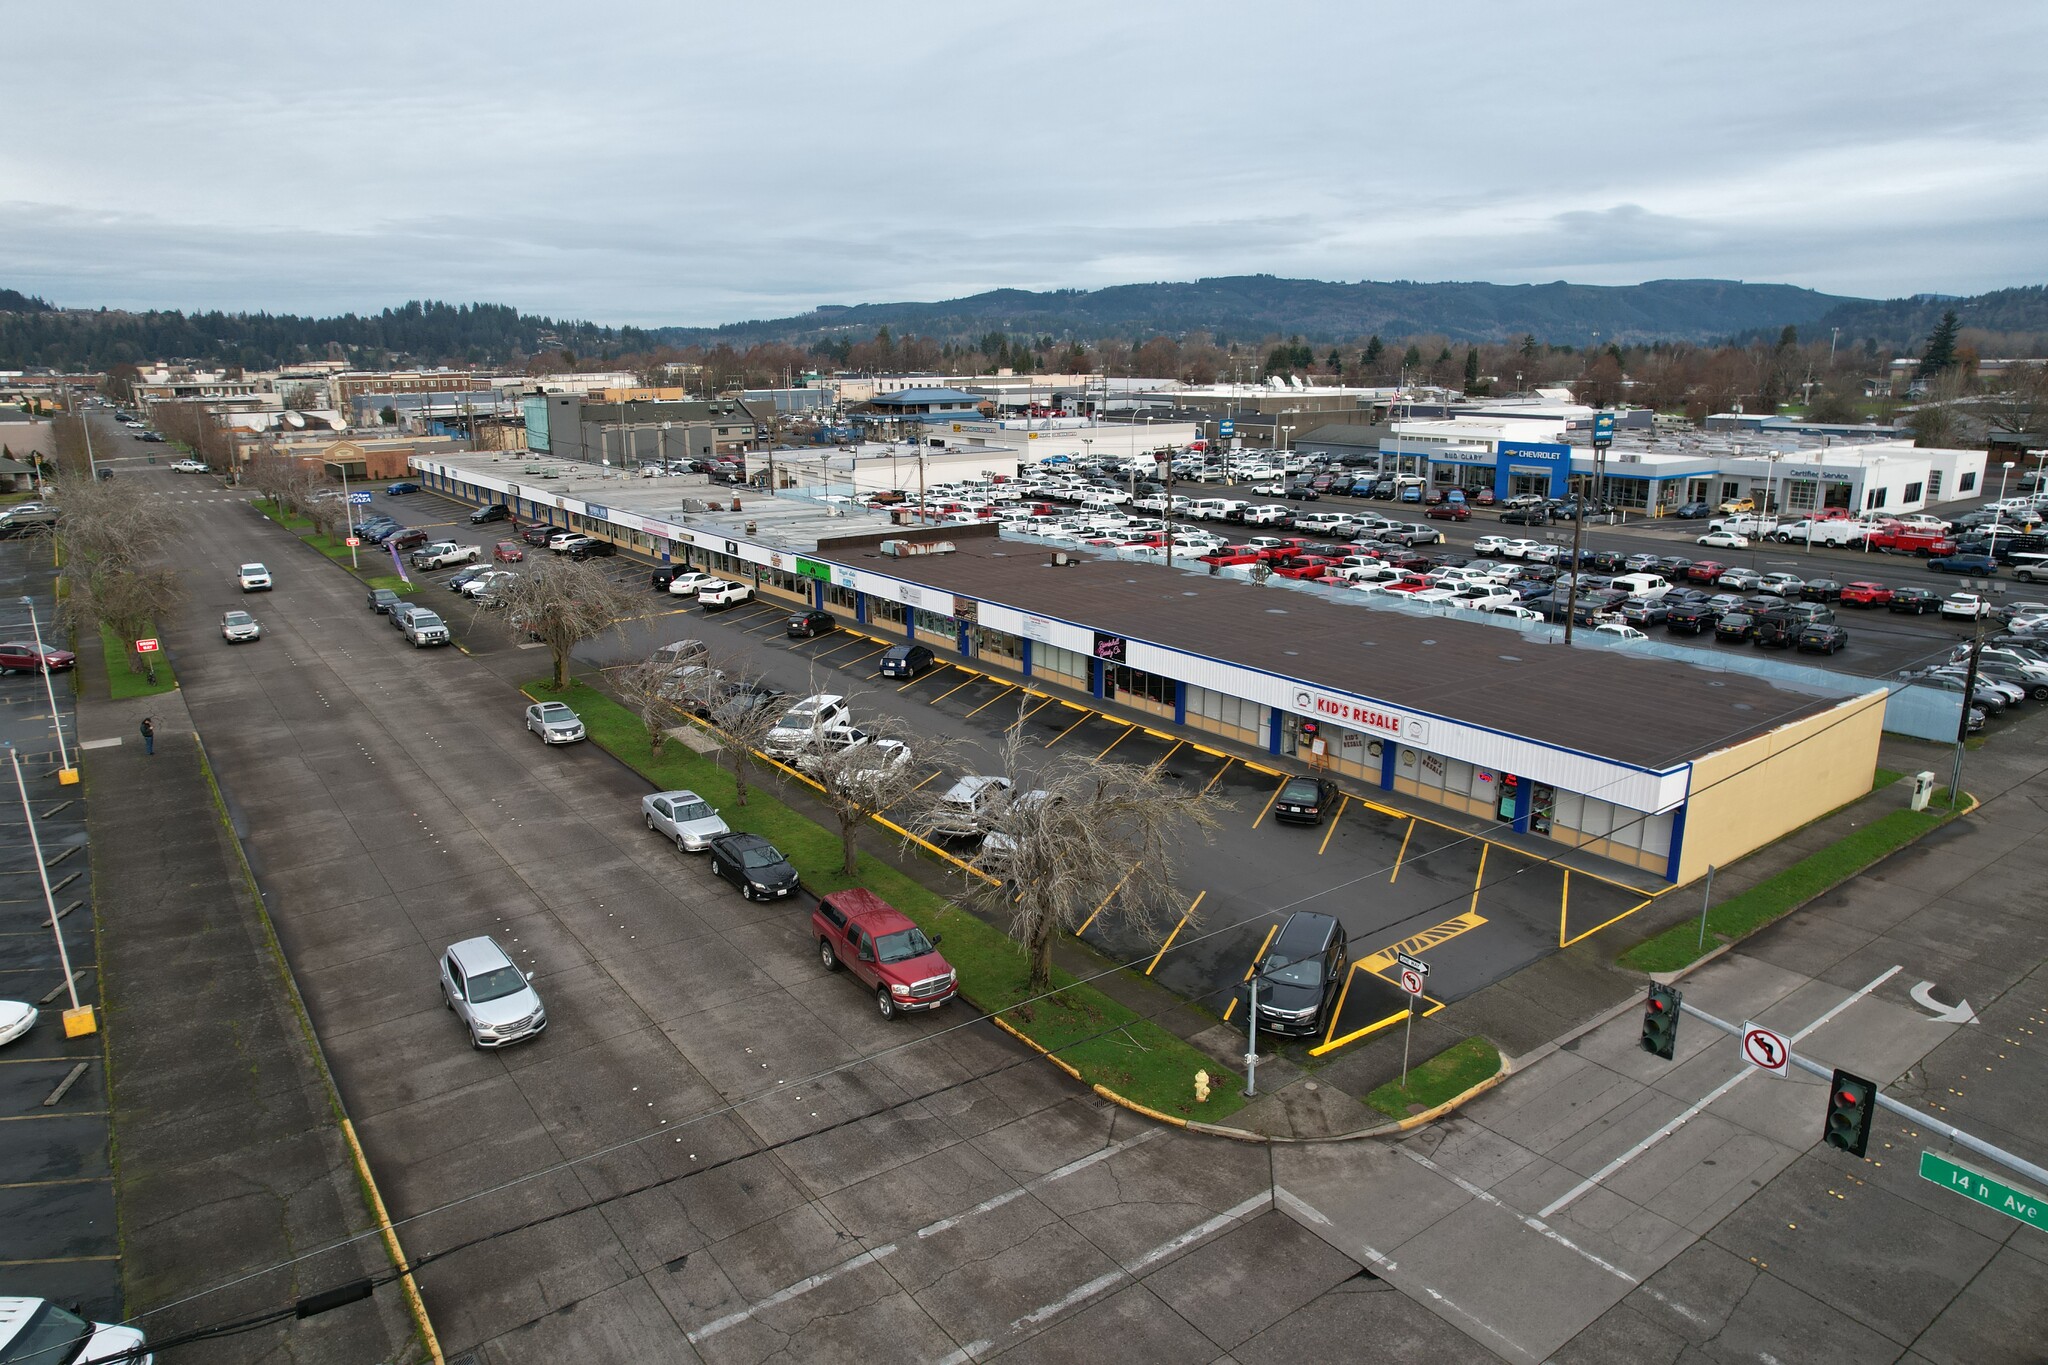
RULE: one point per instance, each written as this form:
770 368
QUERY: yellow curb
1432 1115
413 1302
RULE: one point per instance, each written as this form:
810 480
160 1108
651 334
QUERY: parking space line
1335 816
1042 704
1176 932
1269 800
1105 901
972 679
1568 942
1252 966
1412 822
1479 879
1227 761
1564 905
1168 754
1086 716
1417 944
1387 811
1128 732
1007 690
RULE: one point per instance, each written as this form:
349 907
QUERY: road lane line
1687 1115
1303 1209
1073 1167
1404 850
1176 931
1156 1254
788 1292
1335 816
1534 1224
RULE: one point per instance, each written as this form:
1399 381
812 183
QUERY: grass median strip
1443 1077
1744 914
122 684
1109 1044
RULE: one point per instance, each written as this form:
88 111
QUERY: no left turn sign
1411 981
1765 1048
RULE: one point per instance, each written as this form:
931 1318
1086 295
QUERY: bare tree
870 769
1939 420
562 603
108 525
129 603
289 483
1073 835
2023 404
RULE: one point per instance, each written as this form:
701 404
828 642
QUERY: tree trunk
847 838
561 669
1039 949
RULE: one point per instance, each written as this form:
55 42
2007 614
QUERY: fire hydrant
1201 1087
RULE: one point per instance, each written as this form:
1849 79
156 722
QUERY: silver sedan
684 817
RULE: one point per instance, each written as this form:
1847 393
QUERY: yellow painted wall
1745 797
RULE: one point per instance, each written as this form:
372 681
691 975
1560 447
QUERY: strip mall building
1662 766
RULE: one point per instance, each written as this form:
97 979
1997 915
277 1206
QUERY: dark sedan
1694 510
1305 800
754 865
538 533
399 490
593 549
806 624
27 656
1820 590
1525 516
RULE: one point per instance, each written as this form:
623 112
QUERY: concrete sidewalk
232 1167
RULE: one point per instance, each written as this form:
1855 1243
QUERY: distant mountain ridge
1244 308
1249 307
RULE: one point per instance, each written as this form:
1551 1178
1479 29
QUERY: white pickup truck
1840 531
442 553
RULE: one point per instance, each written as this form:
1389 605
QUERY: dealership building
1661 766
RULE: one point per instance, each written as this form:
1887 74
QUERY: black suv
497 511
906 661
1301 973
592 548
1691 618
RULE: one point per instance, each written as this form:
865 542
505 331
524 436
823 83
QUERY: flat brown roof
1612 703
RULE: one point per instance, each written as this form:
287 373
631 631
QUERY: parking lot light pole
66 774
1251 1042
2004 472
78 1020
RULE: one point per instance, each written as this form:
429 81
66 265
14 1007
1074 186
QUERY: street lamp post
66 774
2004 472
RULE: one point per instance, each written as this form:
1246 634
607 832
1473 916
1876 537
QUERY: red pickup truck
1903 540
879 944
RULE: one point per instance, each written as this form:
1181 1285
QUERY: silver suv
493 998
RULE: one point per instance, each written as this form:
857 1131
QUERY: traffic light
1852 1103
1660 1020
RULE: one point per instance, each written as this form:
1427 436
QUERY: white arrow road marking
1958 1013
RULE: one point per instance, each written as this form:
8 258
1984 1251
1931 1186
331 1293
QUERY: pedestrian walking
148 735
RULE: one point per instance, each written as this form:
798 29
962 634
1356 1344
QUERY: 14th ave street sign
1971 1183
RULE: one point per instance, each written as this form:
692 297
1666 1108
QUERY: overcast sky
696 164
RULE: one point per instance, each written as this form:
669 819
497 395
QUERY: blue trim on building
1273 724
1025 660
1095 672
1180 702
1677 841
1390 758
1525 794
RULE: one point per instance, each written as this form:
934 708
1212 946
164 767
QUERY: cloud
702 167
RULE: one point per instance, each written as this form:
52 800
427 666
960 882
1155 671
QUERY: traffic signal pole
2019 1165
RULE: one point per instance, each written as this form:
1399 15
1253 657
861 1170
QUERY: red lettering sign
1352 713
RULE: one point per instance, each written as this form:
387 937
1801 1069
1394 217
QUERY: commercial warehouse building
1662 766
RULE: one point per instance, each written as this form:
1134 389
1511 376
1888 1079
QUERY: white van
1645 585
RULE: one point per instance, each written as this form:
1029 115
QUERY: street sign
359 497
1413 964
2011 1200
1411 981
1226 427
146 646
1765 1048
353 541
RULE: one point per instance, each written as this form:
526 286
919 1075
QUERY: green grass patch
1106 1042
1883 778
334 549
291 521
28 495
1740 916
1443 1077
391 581
122 684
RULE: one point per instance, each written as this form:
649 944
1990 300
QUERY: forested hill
1251 307
2012 315
419 333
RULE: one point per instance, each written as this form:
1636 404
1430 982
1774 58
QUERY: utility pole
1955 776
1571 600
